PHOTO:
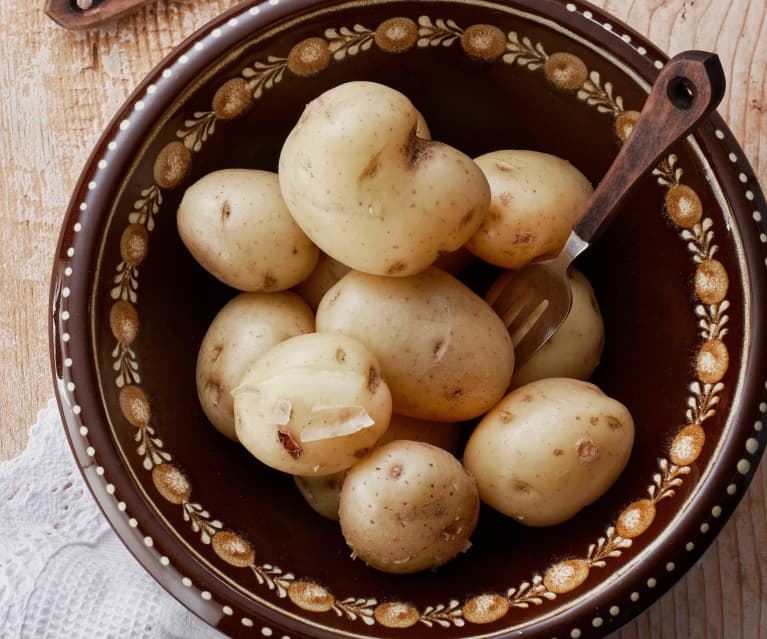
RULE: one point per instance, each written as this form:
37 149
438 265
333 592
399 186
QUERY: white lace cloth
63 572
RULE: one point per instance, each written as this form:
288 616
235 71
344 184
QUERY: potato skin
245 328
236 225
324 492
298 407
408 506
325 274
576 348
536 199
548 449
445 354
371 193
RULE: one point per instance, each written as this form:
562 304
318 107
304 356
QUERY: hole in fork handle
681 92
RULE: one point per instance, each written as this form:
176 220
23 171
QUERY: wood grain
61 88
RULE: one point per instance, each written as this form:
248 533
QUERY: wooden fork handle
687 89
68 14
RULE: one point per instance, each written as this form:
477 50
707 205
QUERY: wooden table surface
61 88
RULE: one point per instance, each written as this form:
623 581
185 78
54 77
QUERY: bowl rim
92 449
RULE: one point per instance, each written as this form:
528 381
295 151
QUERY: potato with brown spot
408 506
372 193
243 330
303 410
445 354
323 493
236 225
536 199
565 445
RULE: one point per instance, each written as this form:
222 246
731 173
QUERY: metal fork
535 300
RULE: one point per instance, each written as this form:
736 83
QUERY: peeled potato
241 332
312 405
408 506
575 349
548 449
536 199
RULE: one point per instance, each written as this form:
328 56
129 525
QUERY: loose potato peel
328 422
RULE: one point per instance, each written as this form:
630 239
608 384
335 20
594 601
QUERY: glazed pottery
680 276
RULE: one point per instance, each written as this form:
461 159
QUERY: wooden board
60 89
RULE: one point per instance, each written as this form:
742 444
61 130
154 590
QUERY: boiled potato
371 193
445 354
445 435
327 272
575 349
243 330
549 449
323 493
536 200
312 405
408 506
236 225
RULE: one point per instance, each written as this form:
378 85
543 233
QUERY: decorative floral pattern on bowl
675 278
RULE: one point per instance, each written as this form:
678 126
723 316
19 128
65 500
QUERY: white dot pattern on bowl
743 465
610 28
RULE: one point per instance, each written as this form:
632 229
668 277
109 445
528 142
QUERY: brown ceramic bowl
681 278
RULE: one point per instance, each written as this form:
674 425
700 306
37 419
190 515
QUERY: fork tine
529 320
518 303
531 302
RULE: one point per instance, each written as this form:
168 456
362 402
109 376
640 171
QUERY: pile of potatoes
356 361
